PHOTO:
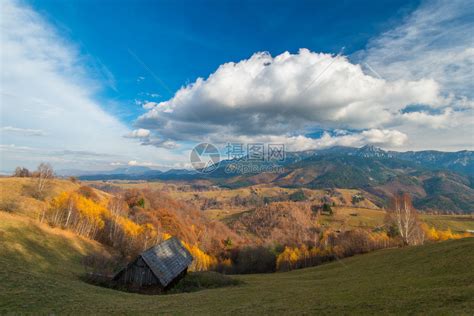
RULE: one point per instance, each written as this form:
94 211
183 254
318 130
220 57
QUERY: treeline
125 223
330 245
105 220
333 245
307 244
252 200
135 220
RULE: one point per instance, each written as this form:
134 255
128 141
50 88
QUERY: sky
97 85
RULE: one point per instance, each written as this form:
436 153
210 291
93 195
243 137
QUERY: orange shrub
433 234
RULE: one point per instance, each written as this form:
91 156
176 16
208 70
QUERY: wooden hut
158 267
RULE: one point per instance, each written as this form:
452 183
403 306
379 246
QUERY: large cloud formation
286 96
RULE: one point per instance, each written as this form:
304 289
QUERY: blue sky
116 83
179 41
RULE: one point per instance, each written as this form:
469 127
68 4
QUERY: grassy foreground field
40 267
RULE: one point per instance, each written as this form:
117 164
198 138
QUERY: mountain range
442 181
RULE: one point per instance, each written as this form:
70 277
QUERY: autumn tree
21 172
134 220
114 232
228 243
327 209
134 197
78 213
44 174
298 196
89 193
253 260
434 234
117 206
73 179
404 217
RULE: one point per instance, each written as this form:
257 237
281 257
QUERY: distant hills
122 171
437 180
460 161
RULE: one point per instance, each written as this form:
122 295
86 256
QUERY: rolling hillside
16 194
40 269
347 212
381 176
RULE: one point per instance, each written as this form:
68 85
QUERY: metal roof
167 260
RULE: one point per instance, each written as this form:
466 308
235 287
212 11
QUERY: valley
341 244
219 203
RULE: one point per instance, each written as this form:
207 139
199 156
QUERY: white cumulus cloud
281 95
138 133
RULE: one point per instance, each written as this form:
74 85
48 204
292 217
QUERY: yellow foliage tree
202 261
93 219
74 211
288 259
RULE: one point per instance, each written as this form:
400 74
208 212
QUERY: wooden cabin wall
177 279
138 274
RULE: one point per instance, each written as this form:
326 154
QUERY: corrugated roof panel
167 260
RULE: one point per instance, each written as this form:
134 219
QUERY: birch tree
44 173
404 216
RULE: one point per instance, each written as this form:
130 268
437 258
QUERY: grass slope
39 269
15 194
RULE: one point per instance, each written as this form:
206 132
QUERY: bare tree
404 217
44 173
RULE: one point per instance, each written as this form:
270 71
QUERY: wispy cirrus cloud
46 86
23 131
435 41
